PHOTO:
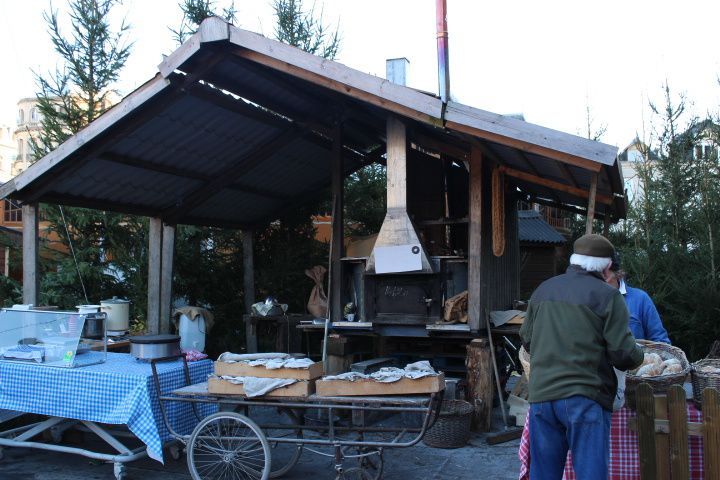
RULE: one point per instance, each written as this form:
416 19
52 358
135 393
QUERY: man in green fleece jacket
576 331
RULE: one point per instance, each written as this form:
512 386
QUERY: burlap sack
456 308
317 303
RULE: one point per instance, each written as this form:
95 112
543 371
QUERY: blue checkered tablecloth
119 391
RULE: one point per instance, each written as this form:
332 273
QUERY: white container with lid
118 315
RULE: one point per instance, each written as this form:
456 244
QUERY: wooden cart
264 437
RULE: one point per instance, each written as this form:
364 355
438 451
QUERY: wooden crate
368 387
303 388
241 369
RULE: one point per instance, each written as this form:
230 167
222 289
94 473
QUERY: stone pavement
476 460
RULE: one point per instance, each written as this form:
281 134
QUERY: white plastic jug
192 333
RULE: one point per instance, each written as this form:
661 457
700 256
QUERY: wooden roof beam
459 152
578 192
228 175
416 112
565 170
184 173
526 146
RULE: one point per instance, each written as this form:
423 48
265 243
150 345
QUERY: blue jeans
577 423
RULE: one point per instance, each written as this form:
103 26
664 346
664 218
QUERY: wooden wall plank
711 437
677 406
662 441
646 431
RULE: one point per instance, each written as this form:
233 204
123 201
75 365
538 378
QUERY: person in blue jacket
645 323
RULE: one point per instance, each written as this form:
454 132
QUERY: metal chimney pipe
442 50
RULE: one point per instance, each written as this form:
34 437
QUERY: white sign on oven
397 259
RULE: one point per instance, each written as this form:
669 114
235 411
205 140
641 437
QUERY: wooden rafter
565 170
228 175
186 173
578 192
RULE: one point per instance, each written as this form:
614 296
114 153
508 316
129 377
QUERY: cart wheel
119 470
228 445
284 455
370 464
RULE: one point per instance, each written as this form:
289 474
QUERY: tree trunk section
480 383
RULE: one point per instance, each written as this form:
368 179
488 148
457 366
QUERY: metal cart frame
21 437
242 448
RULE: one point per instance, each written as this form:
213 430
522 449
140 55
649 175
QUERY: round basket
525 362
702 380
452 427
661 383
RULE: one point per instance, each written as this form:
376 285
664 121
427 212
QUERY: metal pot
88 308
118 314
94 326
147 347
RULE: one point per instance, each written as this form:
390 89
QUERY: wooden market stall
236 128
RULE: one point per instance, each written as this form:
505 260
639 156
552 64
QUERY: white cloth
24 352
229 357
275 363
390 374
257 386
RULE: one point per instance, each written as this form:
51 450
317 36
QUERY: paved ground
476 460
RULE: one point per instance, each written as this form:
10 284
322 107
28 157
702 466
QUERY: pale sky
544 59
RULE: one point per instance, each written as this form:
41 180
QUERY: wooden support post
591 203
606 223
154 272
166 276
475 310
6 271
336 248
480 383
31 231
248 270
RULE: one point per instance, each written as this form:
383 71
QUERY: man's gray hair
590 264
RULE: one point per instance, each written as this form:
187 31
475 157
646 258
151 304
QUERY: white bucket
192 333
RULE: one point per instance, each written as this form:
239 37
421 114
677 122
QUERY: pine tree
93 56
301 28
194 12
104 250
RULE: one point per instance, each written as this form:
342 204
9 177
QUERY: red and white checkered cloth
624 463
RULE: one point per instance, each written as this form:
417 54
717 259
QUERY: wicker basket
703 380
525 362
661 383
452 428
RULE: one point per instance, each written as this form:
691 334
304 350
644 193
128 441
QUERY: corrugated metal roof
532 228
236 127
